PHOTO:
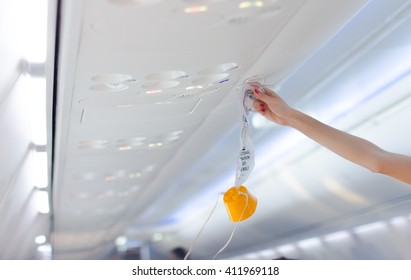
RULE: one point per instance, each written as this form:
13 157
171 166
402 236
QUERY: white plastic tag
245 163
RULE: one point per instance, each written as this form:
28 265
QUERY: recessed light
153 91
157 237
124 106
194 87
250 4
110 178
41 239
43 205
130 143
94 144
125 148
121 241
134 175
195 9
155 145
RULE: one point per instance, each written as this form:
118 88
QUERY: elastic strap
234 229
201 230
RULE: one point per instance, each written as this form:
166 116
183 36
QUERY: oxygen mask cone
240 204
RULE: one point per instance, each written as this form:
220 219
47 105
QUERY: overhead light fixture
121 241
195 9
36 91
337 236
251 4
372 227
35 24
155 145
153 91
45 251
94 144
194 87
39 170
41 239
43 205
310 243
399 221
124 148
110 178
133 175
130 143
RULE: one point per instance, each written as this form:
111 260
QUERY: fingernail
257 91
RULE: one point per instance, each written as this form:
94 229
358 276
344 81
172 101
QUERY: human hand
271 105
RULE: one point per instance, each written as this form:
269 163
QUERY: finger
260 94
269 92
260 106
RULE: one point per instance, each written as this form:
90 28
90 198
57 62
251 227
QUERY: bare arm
350 147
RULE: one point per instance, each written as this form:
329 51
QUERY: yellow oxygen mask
240 203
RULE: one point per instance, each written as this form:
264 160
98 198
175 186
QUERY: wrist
294 118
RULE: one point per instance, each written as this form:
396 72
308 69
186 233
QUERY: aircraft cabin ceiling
147 119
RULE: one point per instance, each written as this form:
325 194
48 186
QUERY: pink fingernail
257 91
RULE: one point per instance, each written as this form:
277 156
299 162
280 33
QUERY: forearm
350 147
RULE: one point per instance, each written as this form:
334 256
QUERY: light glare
43 202
250 4
41 239
196 9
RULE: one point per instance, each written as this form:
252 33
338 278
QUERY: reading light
153 91
250 4
196 9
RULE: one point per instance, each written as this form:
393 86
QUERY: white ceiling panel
148 109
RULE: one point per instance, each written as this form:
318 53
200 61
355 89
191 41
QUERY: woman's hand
271 106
